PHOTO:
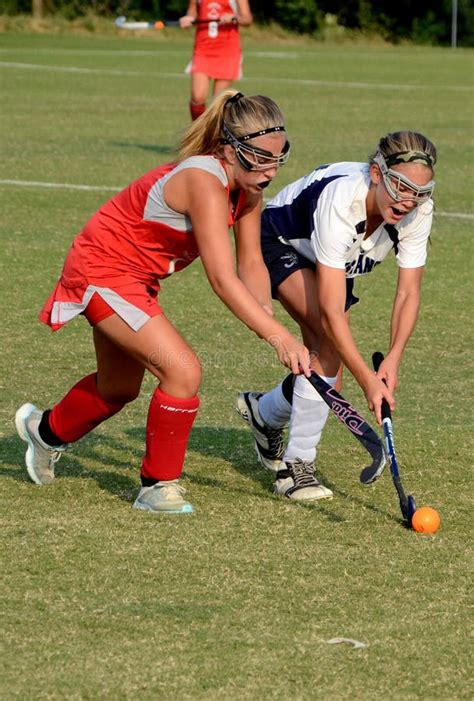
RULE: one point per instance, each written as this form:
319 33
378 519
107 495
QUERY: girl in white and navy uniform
318 234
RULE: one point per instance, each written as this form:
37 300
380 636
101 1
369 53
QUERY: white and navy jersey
323 217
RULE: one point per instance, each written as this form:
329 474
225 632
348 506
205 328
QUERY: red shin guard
169 424
196 110
81 410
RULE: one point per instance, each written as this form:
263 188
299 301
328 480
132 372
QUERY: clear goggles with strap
399 187
253 158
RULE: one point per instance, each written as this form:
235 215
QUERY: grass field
237 601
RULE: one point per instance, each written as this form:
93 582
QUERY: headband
235 98
261 133
409 157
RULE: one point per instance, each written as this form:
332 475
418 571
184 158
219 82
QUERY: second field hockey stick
121 23
407 504
356 425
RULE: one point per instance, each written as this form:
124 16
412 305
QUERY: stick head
411 507
372 472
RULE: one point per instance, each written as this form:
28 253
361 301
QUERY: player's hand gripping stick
407 504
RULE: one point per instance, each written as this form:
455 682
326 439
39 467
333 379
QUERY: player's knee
191 377
183 377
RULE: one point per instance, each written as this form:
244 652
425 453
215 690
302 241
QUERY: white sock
308 418
274 408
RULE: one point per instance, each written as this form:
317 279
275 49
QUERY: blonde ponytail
243 115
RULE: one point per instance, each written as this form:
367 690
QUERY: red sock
168 426
196 110
81 410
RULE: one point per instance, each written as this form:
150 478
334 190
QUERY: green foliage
13 7
398 20
428 30
300 16
394 20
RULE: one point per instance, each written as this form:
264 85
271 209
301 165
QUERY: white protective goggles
399 187
253 158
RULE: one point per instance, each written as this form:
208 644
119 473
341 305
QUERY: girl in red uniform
217 54
156 226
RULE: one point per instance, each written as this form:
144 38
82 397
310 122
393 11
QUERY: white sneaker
40 458
163 497
297 481
269 444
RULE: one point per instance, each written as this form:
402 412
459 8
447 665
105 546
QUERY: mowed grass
239 600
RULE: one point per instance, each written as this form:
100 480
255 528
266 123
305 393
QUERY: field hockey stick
121 23
356 425
407 504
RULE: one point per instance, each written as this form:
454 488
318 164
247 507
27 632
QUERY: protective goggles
253 158
400 187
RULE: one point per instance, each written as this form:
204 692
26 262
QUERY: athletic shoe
269 444
40 458
163 497
297 481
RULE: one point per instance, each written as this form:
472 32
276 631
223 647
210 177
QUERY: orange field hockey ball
426 520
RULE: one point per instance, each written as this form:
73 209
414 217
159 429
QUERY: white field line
61 186
293 81
454 215
159 51
111 188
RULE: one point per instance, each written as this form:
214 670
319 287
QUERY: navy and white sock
275 406
308 418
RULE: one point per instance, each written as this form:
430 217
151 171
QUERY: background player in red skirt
156 226
217 54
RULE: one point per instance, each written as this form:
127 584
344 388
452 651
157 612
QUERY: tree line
424 21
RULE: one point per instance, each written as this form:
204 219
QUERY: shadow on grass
236 447
77 461
230 445
154 148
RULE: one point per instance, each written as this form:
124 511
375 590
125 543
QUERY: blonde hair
408 147
244 115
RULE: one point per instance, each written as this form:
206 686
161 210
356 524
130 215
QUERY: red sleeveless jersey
132 238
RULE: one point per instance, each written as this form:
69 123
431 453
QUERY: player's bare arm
331 285
191 14
404 316
244 15
203 198
251 268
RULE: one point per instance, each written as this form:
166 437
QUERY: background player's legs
221 84
199 91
